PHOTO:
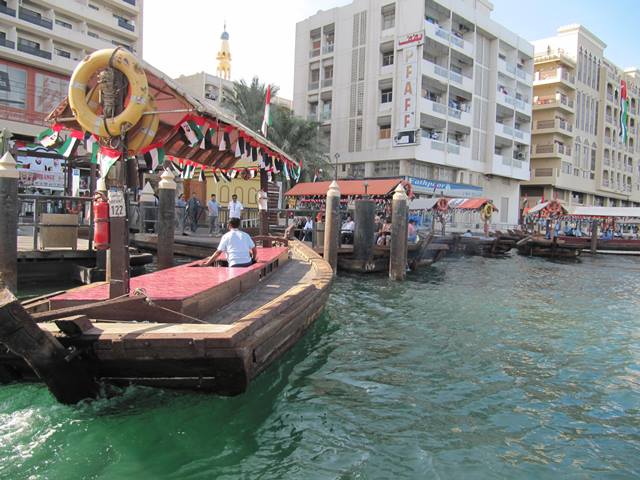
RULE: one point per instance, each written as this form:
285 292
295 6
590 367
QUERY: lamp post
335 169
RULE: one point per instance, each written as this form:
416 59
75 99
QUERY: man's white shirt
237 245
235 210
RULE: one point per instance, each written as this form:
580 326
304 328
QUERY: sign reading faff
408 51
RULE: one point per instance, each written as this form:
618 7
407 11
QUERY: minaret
224 56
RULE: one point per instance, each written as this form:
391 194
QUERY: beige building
41 42
578 154
431 90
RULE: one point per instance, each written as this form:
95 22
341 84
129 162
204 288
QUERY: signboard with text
408 47
436 187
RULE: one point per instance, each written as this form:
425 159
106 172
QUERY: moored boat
188 327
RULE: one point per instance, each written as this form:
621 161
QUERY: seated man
467 234
347 231
240 249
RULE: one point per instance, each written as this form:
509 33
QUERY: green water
477 368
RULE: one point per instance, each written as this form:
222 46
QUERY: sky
185 40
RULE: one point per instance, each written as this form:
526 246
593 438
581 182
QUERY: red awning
377 187
468 203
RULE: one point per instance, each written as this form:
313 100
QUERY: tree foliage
295 136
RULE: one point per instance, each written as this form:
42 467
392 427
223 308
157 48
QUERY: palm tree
295 136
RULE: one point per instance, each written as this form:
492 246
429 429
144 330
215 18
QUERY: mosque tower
224 56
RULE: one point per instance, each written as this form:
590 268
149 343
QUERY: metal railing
34 17
126 25
31 207
7 11
7 43
34 51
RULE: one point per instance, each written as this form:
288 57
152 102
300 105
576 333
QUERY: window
93 34
29 43
64 24
62 53
386 95
93 7
13 93
388 16
387 58
385 132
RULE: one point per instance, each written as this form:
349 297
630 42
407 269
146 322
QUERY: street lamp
335 169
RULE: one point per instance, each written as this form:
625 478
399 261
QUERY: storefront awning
468 203
617 212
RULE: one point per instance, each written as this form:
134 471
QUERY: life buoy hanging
442 205
87 116
141 135
486 211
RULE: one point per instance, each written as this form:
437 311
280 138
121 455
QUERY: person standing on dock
240 249
212 206
181 214
235 208
193 211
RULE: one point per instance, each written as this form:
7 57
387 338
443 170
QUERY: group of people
188 212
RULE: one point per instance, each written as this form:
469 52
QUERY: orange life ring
408 188
442 205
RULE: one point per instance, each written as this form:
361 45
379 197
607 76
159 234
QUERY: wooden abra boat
187 327
613 245
420 254
541 247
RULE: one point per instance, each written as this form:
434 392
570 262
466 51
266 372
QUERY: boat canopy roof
175 105
615 212
375 187
541 206
469 203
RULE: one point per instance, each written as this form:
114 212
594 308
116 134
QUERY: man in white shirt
308 230
235 208
238 245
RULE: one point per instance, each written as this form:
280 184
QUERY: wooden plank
68 378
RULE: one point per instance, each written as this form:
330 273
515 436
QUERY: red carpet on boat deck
176 283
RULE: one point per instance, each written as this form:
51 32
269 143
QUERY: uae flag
191 132
225 176
71 143
233 174
91 145
624 111
286 170
207 139
49 137
215 177
201 175
106 158
238 151
153 156
266 120
252 173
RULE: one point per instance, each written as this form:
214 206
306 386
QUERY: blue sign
436 187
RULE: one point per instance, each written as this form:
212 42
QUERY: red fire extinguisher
101 222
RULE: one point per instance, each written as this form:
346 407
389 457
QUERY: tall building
434 91
41 42
584 151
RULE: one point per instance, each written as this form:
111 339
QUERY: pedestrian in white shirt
235 208
240 249
307 230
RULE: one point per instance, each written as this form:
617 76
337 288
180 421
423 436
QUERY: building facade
434 91
585 124
41 42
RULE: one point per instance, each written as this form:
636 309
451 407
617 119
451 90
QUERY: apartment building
433 91
584 152
41 42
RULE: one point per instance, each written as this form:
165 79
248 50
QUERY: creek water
474 368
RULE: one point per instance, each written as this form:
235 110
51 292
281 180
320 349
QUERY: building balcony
7 43
325 116
7 11
327 82
447 37
312 116
508 101
443 74
551 150
511 133
523 75
130 2
34 51
460 116
385 106
433 108
558 75
610 96
553 101
554 126
314 85
327 49
609 118
554 55
34 17
126 25
314 53
506 68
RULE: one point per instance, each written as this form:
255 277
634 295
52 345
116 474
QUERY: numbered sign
116 204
